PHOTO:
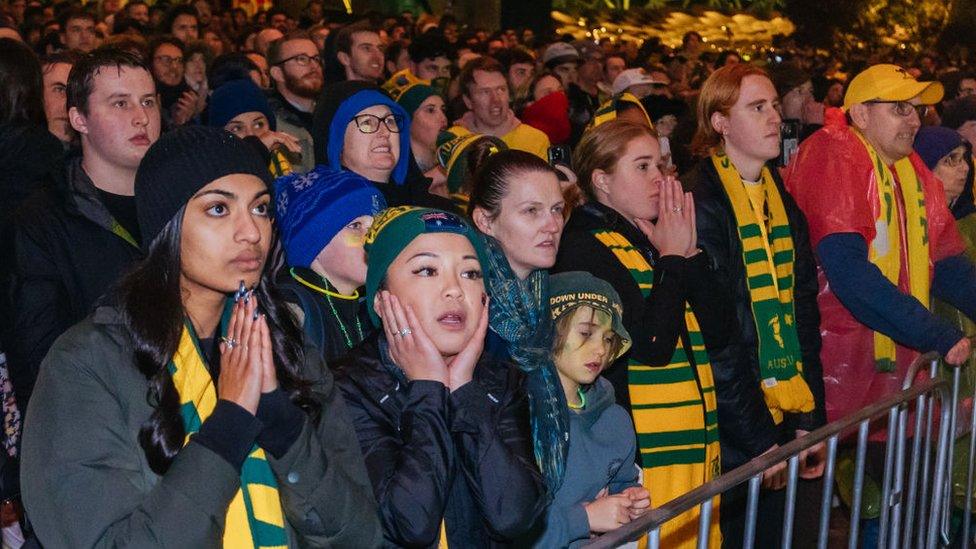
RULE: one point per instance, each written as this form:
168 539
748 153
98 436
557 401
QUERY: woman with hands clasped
444 429
637 232
185 412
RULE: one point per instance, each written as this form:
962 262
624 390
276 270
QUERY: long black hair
150 298
21 99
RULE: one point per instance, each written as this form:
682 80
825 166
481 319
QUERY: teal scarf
519 313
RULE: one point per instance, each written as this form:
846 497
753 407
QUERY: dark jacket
87 482
65 257
746 428
655 323
32 158
463 457
296 123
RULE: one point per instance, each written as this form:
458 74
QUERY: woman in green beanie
442 426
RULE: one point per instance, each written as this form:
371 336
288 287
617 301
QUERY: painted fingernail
240 292
255 315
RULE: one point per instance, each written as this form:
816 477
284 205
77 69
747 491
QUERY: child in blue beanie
323 217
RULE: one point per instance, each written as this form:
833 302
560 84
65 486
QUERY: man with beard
179 103
296 69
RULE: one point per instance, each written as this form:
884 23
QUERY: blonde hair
718 94
602 147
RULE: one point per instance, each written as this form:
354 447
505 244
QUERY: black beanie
182 162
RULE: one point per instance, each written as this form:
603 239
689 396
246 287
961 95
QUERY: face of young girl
588 346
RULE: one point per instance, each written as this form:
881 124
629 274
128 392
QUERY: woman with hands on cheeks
637 232
443 428
184 412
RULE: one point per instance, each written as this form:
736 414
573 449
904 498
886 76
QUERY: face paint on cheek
354 240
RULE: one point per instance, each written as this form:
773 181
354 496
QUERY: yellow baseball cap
890 83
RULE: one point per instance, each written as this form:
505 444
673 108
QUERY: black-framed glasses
904 108
302 60
370 123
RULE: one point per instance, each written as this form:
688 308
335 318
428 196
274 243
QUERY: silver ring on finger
230 342
405 332
676 209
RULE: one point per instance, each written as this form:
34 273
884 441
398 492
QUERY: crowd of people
317 279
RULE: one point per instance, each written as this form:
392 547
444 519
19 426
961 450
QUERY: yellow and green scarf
768 256
255 518
885 251
674 411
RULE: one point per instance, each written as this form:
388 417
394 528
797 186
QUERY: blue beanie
313 207
235 98
350 108
934 142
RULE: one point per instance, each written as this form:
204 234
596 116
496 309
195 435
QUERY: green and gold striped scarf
255 518
768 256
674 411
885 251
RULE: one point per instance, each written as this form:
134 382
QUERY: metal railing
907 508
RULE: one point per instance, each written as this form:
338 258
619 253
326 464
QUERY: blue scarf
519 313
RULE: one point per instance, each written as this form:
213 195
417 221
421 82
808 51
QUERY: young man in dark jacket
74 241
768 377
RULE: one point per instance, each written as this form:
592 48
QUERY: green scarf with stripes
254 518
768 255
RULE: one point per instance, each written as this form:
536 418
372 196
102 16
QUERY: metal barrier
907 509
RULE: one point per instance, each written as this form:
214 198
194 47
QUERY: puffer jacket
87 483
461 458
65 256
746 427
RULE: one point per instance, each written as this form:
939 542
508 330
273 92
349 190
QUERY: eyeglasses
370 123
954 159
168 60
301 59
904 108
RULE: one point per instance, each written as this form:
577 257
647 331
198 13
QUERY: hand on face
410 347
674 232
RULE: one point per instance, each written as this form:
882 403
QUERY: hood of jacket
338 104
599 397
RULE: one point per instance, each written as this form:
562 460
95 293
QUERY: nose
554 223
452 287
141 116
246 229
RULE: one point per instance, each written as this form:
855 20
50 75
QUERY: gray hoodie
601 455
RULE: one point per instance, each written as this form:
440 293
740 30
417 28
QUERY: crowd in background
388 279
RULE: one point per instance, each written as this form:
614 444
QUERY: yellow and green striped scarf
768 256
674 411
254 518
885 250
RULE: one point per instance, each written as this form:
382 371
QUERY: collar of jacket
82 196
599 397
593 215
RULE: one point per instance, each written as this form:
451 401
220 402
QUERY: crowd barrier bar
927 518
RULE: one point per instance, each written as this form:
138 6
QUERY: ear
859 115
482 220
343 58
77 120
599 180
277 74
467 101
720 122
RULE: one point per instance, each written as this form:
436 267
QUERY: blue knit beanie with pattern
313 207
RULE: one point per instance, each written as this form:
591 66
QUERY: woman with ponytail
185 412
